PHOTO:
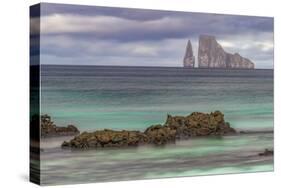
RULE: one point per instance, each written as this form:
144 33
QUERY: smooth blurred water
193 157
96 97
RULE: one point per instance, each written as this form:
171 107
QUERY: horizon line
154 66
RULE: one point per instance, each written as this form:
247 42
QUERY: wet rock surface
175 127
107 138
267 152
159 135
48 128
199 124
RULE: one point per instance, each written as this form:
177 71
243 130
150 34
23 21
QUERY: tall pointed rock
189 59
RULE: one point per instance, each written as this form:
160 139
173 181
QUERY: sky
91 35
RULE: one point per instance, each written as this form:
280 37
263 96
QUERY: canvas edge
34 83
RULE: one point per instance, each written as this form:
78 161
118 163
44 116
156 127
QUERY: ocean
133 98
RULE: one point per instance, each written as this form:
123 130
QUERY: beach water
133 98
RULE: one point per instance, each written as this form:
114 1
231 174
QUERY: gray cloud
109 36
126 29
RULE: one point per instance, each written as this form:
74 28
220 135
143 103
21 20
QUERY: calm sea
98 97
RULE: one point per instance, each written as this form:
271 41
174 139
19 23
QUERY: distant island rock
212 55
48 128
189 59
175 127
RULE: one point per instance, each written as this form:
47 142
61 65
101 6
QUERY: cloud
128 13
110 60
66 46
259 47
117 36
109 27
167 26
153 52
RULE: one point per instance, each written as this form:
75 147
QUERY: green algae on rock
177 127
48 128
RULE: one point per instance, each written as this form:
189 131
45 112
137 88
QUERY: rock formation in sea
175 127
189 59
212 55
267 152
48 128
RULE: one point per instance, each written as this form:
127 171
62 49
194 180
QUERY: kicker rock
237 61
189 59
212 55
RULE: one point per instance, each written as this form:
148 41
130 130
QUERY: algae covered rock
48 128
199 124
175 127
107 138
159 135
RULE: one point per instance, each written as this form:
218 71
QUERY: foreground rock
107 138
175 127
212 55
267 152
160 135
189 59
48 128
199 124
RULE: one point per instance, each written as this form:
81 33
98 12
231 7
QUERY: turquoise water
193 157
95 97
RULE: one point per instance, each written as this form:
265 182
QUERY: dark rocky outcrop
189 59
199 124
267 152
212 55
48 128
160 135
175 127
256 132
107 138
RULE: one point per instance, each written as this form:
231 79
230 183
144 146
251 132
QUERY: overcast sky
89 35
